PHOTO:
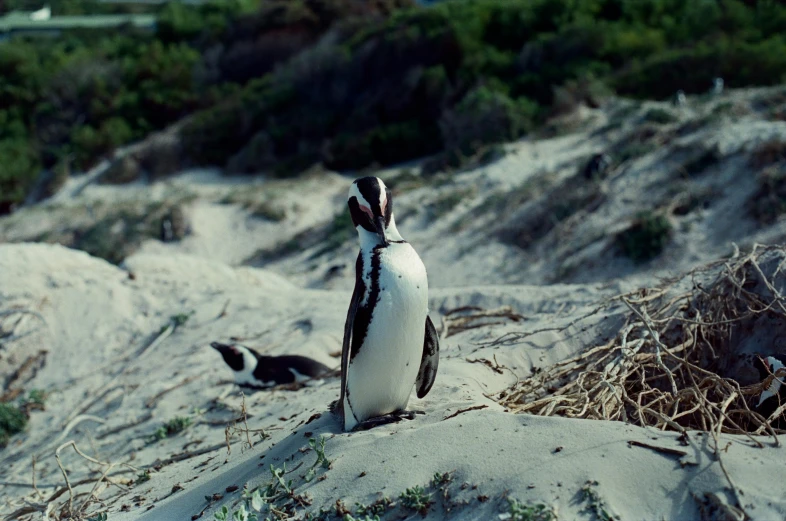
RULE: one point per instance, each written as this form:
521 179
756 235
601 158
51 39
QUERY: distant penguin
260 372
717 86
679 99
174 225
775 394
597 166
390 343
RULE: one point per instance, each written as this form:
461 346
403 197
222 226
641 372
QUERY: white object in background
45 13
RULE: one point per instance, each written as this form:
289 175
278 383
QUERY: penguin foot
385 419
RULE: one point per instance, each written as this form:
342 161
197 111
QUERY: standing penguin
390 342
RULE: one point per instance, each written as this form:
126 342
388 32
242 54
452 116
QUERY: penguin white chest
381 375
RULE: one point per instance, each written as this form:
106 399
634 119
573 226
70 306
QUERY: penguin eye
367 211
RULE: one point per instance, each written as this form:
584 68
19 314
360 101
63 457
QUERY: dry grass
665 367
768 153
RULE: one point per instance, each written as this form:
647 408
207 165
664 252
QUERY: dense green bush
285 83
486 116
19 167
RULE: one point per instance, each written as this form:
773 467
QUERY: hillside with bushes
280 85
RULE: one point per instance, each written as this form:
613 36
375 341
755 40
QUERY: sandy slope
103 374
117 369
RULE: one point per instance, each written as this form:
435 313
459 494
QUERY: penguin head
236 356
371 208
773 365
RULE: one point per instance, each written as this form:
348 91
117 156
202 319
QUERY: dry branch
471 317
667 365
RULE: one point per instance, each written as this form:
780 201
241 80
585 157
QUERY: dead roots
667 367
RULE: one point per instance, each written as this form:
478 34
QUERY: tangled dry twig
471 317
668 365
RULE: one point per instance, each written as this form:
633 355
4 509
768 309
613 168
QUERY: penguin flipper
348 325
429 361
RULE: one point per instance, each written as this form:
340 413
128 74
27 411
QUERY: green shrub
741 63
384 145
91 143
120 232
12 421
768 203
486 70
19 167
486 116
659 116
646 238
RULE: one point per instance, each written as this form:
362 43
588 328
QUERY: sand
103 374
127 348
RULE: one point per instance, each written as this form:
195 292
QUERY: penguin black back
258 371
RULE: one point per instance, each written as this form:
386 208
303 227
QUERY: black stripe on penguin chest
365 312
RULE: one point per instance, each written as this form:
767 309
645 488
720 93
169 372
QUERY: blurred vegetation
646 238
13 420
279 85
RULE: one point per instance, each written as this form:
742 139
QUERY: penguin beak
219 347
379 224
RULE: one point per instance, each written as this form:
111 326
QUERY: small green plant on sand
322 461
350 517
36 398
176 321
441 478
174 426
374 510
142 477
596 504
417 499
181 318
529 512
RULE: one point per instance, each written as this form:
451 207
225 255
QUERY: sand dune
112 386
526 246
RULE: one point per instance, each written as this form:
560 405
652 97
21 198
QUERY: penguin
717 86
390 343
775 394
256 371
597 166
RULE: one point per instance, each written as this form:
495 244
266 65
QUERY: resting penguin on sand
390 342
256 371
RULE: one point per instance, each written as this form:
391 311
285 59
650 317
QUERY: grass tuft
171 428
646 238
597 505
